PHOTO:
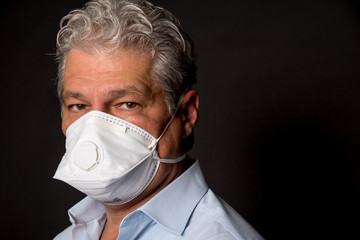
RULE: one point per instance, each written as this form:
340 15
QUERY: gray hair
109 25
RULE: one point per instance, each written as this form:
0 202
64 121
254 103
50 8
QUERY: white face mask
109 159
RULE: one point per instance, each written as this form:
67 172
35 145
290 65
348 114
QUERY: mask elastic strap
174 160
153 143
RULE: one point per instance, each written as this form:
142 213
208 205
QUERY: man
125 74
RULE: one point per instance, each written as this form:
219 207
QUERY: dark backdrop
279 130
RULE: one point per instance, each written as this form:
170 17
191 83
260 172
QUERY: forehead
94 70
103 65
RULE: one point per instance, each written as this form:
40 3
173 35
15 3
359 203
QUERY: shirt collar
86 211
173 206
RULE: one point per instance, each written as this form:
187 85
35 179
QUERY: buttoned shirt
185 209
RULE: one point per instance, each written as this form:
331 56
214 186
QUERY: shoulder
213 218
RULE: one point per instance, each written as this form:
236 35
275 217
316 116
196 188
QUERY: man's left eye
130 105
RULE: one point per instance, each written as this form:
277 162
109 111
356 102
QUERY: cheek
64 126
153 124
68 118
170 145
66 122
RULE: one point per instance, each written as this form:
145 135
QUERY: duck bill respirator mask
109 159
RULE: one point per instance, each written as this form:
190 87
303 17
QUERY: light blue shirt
185 209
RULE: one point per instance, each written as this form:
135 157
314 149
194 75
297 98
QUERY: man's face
119 85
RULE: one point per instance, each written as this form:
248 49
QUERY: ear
190 111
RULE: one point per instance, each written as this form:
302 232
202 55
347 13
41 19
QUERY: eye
130 105
77 107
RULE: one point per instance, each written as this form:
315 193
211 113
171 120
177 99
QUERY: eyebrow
117 93
72 94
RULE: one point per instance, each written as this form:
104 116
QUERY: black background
279 129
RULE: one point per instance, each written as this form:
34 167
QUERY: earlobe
190 111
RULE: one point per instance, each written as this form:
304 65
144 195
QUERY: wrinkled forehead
125 67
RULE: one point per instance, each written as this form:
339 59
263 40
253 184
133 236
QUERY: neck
115 214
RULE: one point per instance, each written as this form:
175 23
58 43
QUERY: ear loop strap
154 142
173 160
